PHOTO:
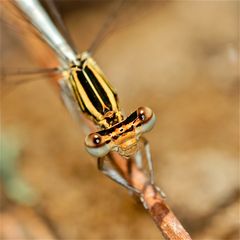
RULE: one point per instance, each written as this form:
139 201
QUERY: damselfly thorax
98 100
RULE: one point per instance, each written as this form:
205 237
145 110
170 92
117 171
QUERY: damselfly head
122 137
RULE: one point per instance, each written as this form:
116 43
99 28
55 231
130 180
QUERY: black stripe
90 93
128 120
78 96
131 118
98 87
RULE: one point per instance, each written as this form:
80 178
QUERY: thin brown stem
160 212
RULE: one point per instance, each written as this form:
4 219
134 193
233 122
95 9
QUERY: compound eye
144 114
96 145
96 139
93 140
147 118
141 114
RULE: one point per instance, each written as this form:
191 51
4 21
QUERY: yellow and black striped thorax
93 93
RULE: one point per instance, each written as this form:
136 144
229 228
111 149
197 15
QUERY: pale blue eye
99 151
96 145
147 126
147 119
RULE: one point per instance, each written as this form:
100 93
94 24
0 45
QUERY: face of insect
122 137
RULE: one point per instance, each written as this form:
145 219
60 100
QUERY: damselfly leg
114 174
139 158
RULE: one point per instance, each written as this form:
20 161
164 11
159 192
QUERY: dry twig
160 212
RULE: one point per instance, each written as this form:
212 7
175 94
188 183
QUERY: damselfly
174 60
84 88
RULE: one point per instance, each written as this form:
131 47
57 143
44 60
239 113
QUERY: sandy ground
181 58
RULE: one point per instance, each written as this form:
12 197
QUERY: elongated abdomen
93 93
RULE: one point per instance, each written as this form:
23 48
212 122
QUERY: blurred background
181 58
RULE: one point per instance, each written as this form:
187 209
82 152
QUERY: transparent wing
115 15
23 50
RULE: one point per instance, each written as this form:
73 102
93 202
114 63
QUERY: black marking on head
131 118
115 137
139 124
129 129
128 120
